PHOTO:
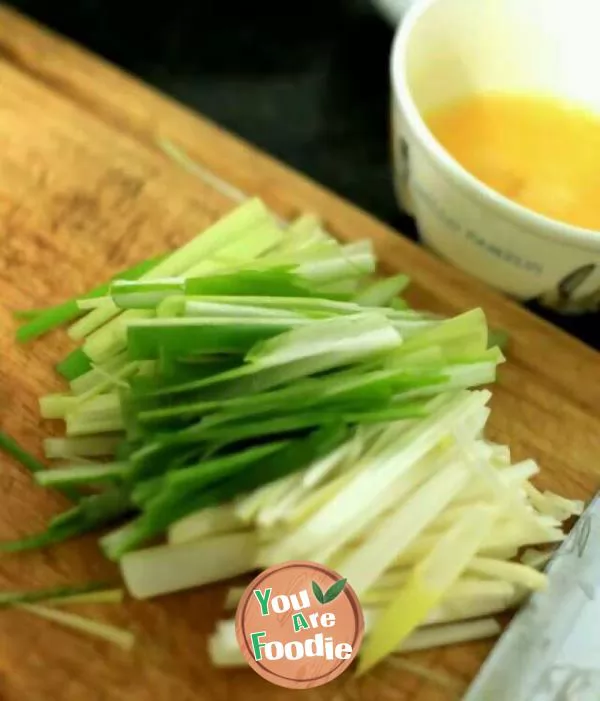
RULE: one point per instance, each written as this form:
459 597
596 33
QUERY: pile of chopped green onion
259 395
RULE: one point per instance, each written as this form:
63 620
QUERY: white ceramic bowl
448 49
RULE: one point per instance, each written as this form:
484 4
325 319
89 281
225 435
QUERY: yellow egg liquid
540 152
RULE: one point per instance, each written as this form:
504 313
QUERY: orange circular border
243 635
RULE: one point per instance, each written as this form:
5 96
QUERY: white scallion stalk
475 607
474 586
354 336
451 634
247 507
270 513
300 489
56 406
168 568
363 566
304 230
458 377
460 336
208 522
503 542
223 649
465 590
100 406
81 474
455 609
317 499
108 340
549 504
383 291
514 572
503 493
301 305
513 476
237 254
346 455
80 425
83 446
571 507
500 454
352 260
95 303
194 307
122 638
519 473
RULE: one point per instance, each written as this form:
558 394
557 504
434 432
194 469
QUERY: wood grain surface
84 190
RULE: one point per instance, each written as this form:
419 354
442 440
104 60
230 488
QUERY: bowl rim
537 224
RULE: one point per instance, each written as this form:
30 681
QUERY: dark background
304 81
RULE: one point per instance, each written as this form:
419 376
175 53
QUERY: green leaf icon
318 592
334 590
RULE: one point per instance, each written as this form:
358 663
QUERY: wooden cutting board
85 190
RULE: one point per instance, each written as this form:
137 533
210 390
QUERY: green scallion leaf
74 365
31 463
11 598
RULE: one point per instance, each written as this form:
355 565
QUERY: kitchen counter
307 83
